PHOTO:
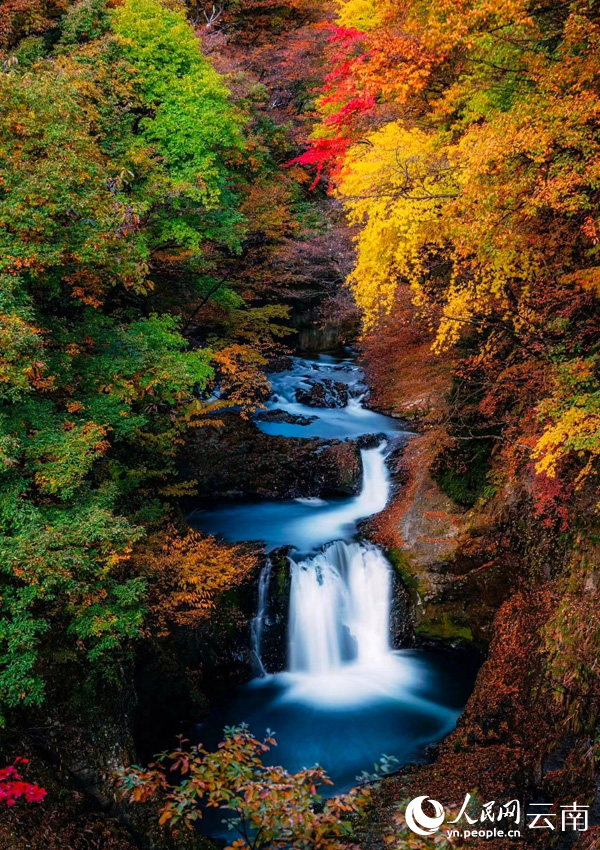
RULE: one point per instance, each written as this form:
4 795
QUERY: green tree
117 149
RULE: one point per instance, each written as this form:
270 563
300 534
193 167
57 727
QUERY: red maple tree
12 785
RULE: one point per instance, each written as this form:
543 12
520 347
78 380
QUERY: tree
187 574
266 806
116 147
463 139
12 786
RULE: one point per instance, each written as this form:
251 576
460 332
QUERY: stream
346 696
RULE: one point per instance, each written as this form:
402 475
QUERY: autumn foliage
157 229
13 787
462 139
267 807
188 573
144 235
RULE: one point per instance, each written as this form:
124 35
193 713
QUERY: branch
211 292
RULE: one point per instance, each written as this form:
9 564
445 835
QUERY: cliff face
497 573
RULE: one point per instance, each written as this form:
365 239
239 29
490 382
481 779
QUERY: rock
284 416
274 636
279 363
370 441
238 460
429 522
444 559
431 751
323 393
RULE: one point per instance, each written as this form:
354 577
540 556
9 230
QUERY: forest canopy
463 140
124 163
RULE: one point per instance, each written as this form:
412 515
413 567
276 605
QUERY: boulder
284 416
279 363
323 393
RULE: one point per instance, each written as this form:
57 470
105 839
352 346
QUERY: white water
339 608
340 598
347 422
258 622
346 696
339 520
339 649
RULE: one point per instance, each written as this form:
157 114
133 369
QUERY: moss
282 577
402 565
462 471
444 625
439 622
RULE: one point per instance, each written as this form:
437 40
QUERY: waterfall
340 598
339 608
346 695
375 490
339 521
258 623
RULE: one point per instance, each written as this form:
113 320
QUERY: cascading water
346 696
305 524
347 422
339 651
340 598
261 612
339 609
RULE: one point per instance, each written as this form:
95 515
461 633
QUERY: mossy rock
444 625
411 575
401 563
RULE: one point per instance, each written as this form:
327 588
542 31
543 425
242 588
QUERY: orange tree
266 806
187 575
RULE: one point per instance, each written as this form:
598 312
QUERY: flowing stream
346 696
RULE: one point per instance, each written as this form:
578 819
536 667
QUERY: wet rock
429 522
370 441
402 620
323 393
284 416
431 751
279 363
238 461
274 636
